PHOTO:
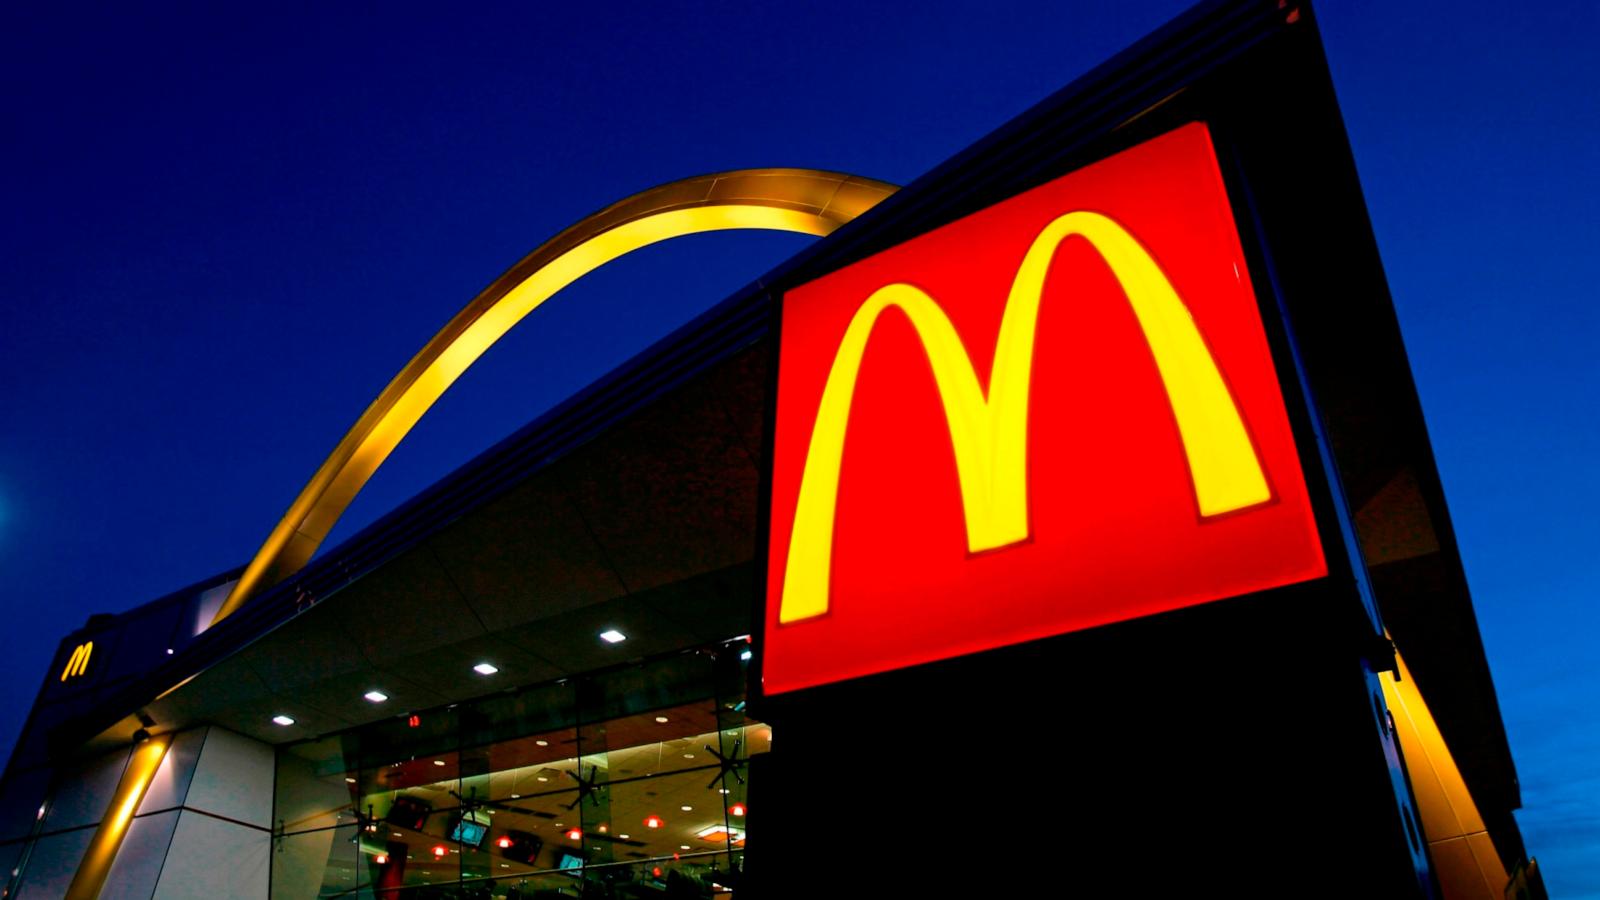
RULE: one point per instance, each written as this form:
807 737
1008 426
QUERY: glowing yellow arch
990 434
798 200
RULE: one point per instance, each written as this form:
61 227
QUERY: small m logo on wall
79 662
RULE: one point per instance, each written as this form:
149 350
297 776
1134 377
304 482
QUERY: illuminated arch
797 200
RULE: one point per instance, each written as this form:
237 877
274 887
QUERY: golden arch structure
990 433
805 201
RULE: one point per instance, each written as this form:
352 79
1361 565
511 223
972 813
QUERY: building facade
1189 612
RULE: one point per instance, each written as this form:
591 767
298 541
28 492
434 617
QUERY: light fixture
484 668
438 762
282 719
684 847
169 651
652 821
381 859
375 696
575 834
504 842
349 780
612 636
662 720
440 850
542 743
622 837
687 808
516 796
746 655
736 810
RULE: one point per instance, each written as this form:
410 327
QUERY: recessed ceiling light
688 756
622 837
684 847
375 696
687 808
662 719
169 651
484 668
542 778
612 636
398 834
542 743
283 720
349 780
438 762
516 796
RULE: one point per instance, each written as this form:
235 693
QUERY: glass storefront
619 784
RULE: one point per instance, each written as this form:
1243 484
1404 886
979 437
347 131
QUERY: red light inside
504 843
413 721
575 834
656 871
440 850
381 859
652 822
736 810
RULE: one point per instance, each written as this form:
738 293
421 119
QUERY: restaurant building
1068 513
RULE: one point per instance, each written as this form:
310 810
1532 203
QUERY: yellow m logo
990 432
79 663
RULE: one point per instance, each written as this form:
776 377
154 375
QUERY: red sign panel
1055 413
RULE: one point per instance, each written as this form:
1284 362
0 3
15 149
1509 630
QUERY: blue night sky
225 231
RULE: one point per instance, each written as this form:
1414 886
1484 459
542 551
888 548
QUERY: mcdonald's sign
78 663
1055 413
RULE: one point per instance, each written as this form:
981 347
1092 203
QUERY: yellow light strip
795 200
102 851
990 434
1460 849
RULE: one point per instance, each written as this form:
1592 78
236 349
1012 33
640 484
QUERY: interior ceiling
653 768
648 529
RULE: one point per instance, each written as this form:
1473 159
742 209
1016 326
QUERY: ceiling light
612 636
684 847
349 780
662 720
746 655
516 796
736 810
652 822
504 843
622 837
542 743
381 859
484 668
575 834
438 762
375 696
688 756
169 651
687 808
439 850
282 720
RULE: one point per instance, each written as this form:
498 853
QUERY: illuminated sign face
78 663
1055 413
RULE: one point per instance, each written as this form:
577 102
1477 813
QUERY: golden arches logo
989 433
79 662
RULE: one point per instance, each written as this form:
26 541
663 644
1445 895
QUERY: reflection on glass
535 793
